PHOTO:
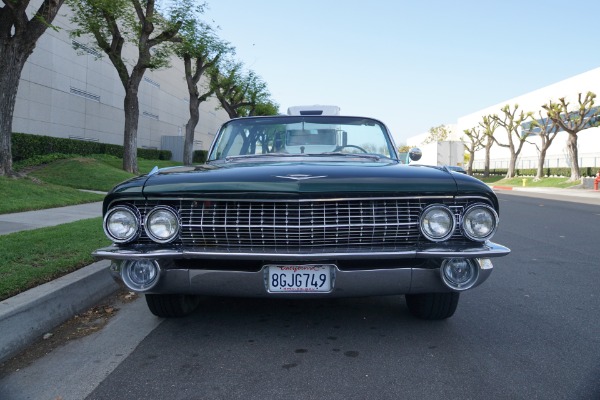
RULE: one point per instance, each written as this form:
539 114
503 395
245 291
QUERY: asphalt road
532 331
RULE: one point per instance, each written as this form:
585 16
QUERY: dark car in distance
302 206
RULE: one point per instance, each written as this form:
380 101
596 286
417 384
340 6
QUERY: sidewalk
28 220
582 195
26 317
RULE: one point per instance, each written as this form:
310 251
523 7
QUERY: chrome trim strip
276 200
488 250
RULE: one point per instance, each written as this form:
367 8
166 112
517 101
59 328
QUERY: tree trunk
512 164
190 127
11 64
540 168
511 167
131 105
470 164
486 167
574 155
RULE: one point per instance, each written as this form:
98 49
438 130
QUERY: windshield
302 135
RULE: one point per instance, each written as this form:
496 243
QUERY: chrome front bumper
367 281
356 283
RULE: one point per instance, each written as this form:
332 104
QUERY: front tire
432 306
172 305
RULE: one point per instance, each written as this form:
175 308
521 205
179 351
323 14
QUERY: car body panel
253 205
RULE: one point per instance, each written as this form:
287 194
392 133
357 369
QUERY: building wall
588 140
71 93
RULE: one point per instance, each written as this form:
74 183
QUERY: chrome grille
312 224
290 226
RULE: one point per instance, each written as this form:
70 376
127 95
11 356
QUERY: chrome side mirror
415 154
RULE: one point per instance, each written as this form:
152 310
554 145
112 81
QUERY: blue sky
414 65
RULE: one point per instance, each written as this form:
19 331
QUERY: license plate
299 278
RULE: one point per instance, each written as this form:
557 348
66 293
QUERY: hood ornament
300 177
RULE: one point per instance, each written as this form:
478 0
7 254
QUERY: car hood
307 177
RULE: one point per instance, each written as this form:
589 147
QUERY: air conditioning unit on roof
314 110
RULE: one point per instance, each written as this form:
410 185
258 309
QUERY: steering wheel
350 145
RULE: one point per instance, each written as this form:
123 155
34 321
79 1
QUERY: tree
547 130
18 37
437 134
573 122
489 126
476 139
240 93
200 49
511 122
265 108
115 23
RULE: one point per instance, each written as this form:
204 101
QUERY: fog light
140 275
459 273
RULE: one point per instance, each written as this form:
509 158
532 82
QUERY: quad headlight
479 222
122 224
437 222
162 224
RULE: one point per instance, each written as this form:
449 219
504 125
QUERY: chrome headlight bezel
425 225
465 225
135 217
174 233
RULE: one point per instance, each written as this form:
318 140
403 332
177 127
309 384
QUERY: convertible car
302 206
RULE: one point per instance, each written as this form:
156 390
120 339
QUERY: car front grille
336 225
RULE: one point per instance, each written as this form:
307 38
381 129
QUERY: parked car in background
302 206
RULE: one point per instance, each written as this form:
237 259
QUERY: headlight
122 224
162 224
479 222
437 223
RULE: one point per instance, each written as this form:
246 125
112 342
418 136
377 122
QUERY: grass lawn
560 182
30 258
55 184
92 173
25 194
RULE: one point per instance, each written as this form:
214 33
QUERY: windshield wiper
328 154
338 154
244 156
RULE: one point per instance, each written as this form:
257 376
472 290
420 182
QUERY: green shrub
26 146
199 156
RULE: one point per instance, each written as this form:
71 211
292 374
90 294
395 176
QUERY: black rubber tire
172 305
432 306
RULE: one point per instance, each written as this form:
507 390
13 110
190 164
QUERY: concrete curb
25 317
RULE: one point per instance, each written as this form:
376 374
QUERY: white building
71 93
588 140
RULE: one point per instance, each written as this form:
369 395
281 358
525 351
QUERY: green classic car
302 206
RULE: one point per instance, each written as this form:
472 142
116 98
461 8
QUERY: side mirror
415 154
